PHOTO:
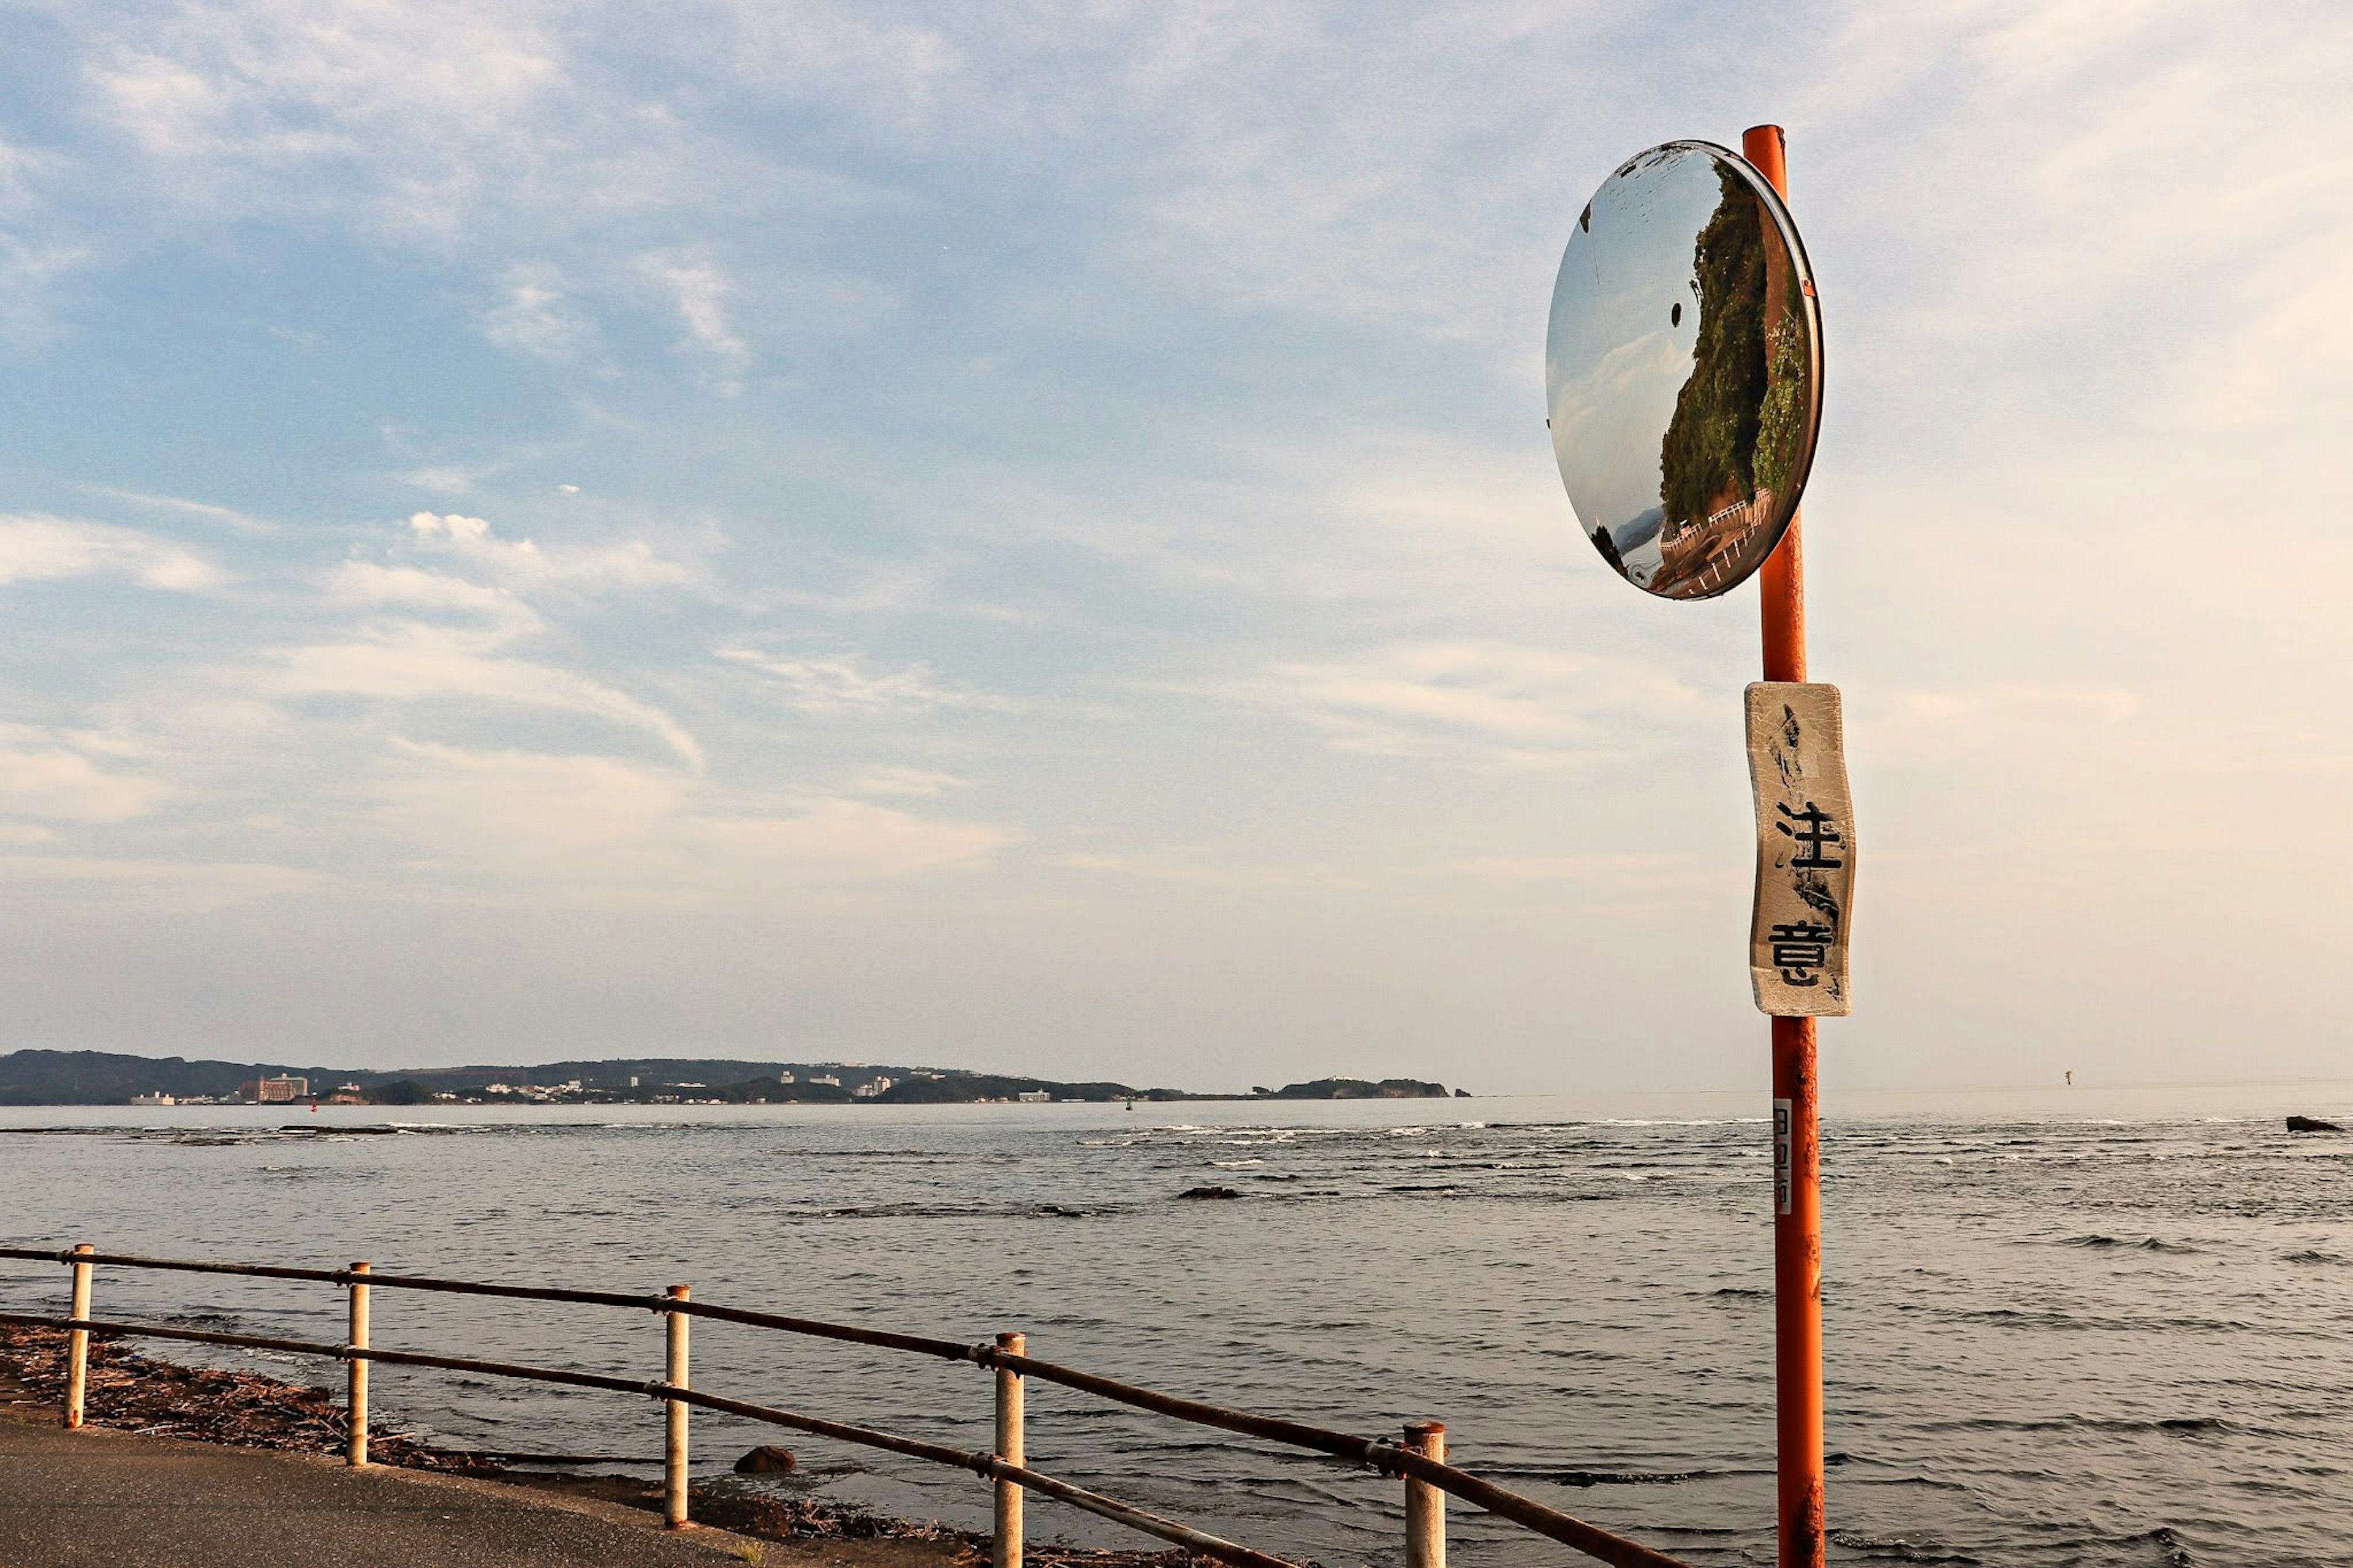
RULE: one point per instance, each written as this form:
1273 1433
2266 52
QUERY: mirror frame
1777 211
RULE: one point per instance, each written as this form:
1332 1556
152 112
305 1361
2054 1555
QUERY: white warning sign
1805 850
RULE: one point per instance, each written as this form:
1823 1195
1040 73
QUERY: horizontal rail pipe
1391 1458
989 1465
642 1301
1566 1528
982 1464
99 1326
645 1302
886 1339
178 1265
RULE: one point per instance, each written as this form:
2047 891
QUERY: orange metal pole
1796 1095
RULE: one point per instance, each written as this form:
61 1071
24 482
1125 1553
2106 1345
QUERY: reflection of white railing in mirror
1719 547
1417 1461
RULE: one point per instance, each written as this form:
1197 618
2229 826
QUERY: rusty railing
1418 1460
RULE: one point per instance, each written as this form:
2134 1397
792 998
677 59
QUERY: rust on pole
77 1339
1425 1505
674 1411
1797 1100
1012 1447
355 1373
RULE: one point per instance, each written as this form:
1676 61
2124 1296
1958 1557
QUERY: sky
1023 537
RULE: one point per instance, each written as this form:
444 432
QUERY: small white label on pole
1783 1157
1805 850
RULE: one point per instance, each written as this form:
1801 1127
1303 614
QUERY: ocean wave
2177 1425
1583 1478
964 1211
2148 1244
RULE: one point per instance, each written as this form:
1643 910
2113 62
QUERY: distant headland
103 1078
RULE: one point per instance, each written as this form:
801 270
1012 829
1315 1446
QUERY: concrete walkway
111 1499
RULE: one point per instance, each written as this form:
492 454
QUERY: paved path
109 1500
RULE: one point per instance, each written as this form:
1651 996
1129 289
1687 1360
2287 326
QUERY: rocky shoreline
130 1391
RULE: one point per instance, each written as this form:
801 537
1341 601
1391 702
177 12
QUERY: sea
2096 1327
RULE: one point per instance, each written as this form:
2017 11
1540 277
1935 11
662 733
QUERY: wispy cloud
220 516
846 683
532 316
160 887
906 781
630 564
609 831
36 548
700 291
408 662
1510 704
1204 869
59 776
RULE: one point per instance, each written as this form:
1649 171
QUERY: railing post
355 1376
1011 1447
78 1340
1425 1505
674 1491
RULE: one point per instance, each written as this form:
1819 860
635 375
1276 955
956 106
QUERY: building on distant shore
1036 1097
278 1090
157 1097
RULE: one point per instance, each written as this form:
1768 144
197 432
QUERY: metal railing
1418 1460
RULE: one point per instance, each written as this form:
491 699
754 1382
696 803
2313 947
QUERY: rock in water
1208 1193
2311 1124
767 1459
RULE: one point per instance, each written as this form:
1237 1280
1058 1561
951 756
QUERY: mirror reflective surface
1683 370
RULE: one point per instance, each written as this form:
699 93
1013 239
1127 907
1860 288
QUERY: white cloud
1196 868
630 564
441 479
845 683
36 548
407 661
51 774
1510 704
168 887
30 271
700 291
226 517
904 781
534 317
366 583
610 830
2018 719
411 109
1614 870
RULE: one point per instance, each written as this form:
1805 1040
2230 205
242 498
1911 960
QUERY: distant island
103 1078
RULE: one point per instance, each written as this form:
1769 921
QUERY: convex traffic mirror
1683 370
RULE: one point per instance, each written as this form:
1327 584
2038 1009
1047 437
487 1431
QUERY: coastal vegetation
103 1078
1706 461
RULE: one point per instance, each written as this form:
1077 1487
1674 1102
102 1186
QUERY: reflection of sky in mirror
1614 359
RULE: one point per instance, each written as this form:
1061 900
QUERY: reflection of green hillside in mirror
1781 424
1704 461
